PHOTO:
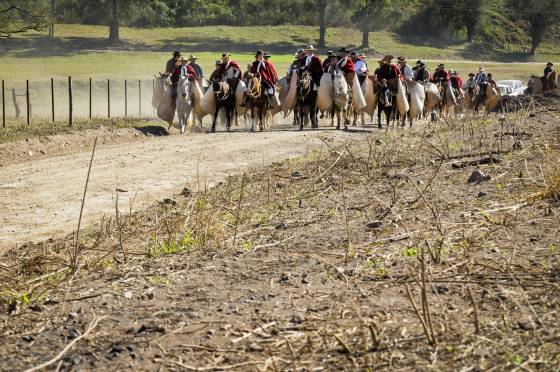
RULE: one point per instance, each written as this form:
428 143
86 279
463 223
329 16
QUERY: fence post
3 106
125 98
90 98
69 101
108 98
16 106
52 99
140 98
27 99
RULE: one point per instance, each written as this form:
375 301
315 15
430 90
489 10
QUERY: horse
162 99
540 85
188 98
341 99
489 98
386 102
225 98
448 101
432 100
306 100
258 100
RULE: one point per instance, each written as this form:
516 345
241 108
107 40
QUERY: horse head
221 89
339 83
304 84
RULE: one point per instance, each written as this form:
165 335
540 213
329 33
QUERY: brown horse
541 85
258 102
489 99
225 98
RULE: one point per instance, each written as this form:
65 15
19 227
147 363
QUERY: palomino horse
225 98
540 85
489 98
448 101
259 102
341 99
162 99
306 100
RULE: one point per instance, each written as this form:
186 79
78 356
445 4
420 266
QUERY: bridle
256 88
225 95
304 84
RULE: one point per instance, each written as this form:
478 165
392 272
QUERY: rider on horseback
422 74
440 75
360 66
231 71
265 70
456 84
173 69
405 69
187 70
548 70
481 79
314 66
346 64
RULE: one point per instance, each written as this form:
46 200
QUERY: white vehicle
511 87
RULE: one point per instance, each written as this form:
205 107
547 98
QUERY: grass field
81 51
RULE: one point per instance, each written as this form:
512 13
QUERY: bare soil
371 252
41 198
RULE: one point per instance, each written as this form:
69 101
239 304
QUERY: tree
540 16
19 16
114 37
463 13
373 15
322 11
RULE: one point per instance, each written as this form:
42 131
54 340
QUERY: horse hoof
301 128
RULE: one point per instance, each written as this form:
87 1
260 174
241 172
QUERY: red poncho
347 65
266 71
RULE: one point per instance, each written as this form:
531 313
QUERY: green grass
81 51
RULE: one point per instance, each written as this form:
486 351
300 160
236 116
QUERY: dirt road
40 199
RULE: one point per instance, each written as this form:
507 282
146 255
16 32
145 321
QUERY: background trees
540 15
482 22
18 16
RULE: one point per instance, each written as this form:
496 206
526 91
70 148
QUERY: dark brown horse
225 98
306 100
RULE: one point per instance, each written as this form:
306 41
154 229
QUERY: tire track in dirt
41 198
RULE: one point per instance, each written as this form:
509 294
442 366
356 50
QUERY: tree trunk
51 28
114 23
536 39
322 8
365 38
470 33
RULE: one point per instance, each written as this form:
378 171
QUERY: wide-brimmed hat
401 60
330 53
259 52
441 65
267 55
343 50
419 62
192 57
177 54
299 52
549 64
387 59
481 69
183 60
226 55
309 48
471 74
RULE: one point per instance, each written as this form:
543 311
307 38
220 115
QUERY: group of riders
351 63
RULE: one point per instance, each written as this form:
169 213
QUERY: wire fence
69 99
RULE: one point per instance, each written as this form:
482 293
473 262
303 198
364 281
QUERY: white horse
162 99
341 99
185 102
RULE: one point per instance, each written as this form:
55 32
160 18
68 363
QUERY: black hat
259 52
354 53
549 64
418 62
471 74
267 55
330 53
343 50
176 54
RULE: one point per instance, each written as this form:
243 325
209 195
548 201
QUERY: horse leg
301 119
214 119
379 111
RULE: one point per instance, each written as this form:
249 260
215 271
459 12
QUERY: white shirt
360 67
407 72
231 73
